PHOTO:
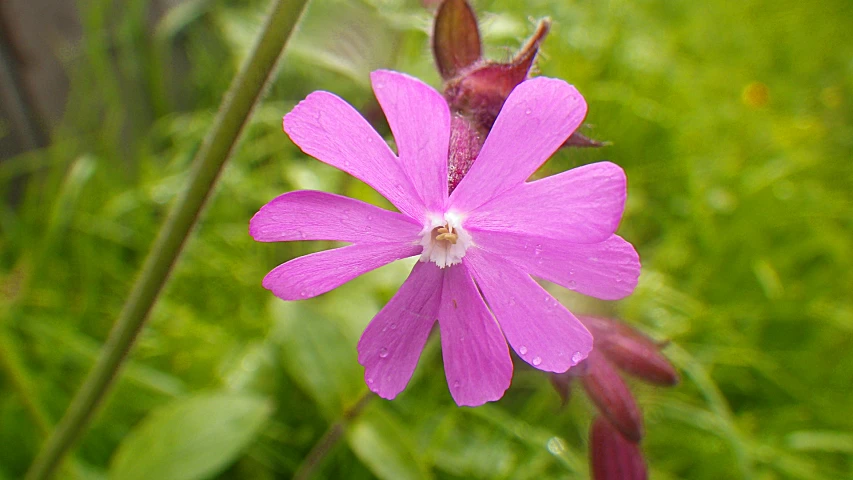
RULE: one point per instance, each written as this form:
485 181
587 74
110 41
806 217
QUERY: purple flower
478 245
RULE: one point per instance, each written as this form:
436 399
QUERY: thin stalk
12 366
330 439
235 109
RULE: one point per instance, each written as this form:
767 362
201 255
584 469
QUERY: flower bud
613 457
612 397
482 90
456 38
631 351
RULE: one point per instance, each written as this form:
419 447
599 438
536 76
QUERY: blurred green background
733 121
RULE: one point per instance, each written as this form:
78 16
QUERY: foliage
733 121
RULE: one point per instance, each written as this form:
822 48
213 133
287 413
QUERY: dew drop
457 384
303 293
594 259
577 357
527 112
383 353
370 381
573 284
537 361
370 217
393 326
522 350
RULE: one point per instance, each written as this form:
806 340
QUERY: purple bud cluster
476 88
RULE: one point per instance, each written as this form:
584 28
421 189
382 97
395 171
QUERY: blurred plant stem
12 366
329 439
235 109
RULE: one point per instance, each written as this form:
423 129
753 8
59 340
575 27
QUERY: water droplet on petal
393 326
573 284
370 381
457 384
577 357
527 112
303 293
522 350
383 353
537 361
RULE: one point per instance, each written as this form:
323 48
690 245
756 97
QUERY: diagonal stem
245 90
330 439
11 365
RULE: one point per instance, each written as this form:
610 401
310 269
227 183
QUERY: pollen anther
444 240
446 233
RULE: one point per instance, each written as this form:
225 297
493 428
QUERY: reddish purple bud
631 351
612 397
465 142
456 38
483 90
612 456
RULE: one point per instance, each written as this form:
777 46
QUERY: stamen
446 233
444 240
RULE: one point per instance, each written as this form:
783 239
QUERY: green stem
330 439
236 106
11 364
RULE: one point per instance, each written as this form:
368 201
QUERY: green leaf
362 40
384 445
191 438
319 353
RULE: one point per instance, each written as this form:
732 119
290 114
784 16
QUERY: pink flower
478 245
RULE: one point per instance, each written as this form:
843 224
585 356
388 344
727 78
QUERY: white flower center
444 240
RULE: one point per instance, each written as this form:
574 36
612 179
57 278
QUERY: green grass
740 205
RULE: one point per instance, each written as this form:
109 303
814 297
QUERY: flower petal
582 205
538 328
537 117
476 358
392 343
312 215
608 270
420 120
317 273
330 130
